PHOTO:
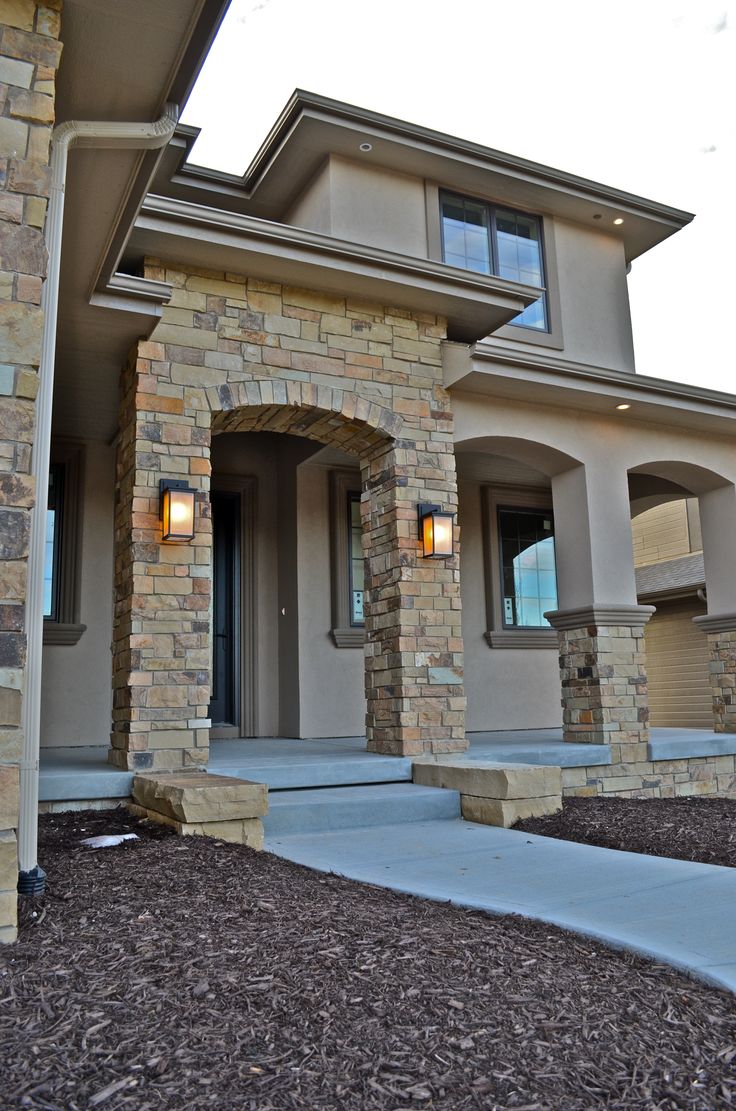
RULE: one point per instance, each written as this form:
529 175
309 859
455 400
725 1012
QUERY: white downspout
80 133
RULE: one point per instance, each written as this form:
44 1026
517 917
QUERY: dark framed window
492 239
356 569
61 571
348 564
52 550
527 563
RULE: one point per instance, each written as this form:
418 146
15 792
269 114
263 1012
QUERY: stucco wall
506 688
365 204
76 699
586 267
331 679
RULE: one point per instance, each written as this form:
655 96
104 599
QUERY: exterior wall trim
600 615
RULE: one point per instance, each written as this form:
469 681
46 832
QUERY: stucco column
599 624
414 651
718 524
161 628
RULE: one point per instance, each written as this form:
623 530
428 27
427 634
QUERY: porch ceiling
163 43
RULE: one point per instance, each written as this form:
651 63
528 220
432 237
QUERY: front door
225 704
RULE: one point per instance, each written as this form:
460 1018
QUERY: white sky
637 94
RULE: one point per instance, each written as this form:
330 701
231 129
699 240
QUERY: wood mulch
186 974
689 828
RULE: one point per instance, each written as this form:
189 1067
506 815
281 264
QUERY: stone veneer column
237 354
161 626
29 57
414 649
603 675
721 632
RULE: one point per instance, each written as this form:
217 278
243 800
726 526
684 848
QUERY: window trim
64 627
518 333
343 483
494 498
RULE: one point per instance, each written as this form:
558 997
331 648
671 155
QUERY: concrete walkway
677 912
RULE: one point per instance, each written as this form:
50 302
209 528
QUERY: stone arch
330 416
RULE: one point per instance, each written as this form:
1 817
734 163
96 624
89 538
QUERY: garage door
677 666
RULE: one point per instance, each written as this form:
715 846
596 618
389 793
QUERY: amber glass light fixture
177 511
436 531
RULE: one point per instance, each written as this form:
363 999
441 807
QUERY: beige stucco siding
76 698
513 688
331 680
365 204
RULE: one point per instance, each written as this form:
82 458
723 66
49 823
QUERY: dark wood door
224 706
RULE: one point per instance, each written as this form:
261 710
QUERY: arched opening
288 568
670 574
508 579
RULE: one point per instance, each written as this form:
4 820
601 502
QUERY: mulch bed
186 974
690 828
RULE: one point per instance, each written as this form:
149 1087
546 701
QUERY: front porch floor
83 773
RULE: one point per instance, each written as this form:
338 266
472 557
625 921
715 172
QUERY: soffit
121 61
582 388
312 127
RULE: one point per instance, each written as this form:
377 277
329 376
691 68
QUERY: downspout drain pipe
79 133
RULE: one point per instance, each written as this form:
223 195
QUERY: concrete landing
674 911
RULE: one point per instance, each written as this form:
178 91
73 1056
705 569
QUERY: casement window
61 566
492 239
519 558
348 565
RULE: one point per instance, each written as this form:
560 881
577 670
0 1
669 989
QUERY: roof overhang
473 304
499 371
312 127
163 45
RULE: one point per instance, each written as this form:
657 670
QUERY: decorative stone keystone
209 805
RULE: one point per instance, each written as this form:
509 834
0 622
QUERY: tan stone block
33 106
13 138
195 796
8 860
240 831
8 934
10 710
20 334
35 209
18 13
505 812
9 797
493 781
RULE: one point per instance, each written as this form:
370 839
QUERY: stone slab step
332 808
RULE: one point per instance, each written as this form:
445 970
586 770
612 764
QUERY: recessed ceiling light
624 406
596 215
619 220
365 147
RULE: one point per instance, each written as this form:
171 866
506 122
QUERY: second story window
495 240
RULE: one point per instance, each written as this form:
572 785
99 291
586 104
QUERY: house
389 371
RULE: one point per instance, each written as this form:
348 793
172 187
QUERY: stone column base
721 632
8 886
603 676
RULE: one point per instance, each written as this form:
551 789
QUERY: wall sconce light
176 511
436 531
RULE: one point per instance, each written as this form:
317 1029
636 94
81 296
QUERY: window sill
55 632
522 638
348 638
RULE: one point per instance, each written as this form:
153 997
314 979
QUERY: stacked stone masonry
706 775
29 58
234 354
722 668
604 688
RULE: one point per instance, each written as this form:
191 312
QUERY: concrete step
332 808
317 771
